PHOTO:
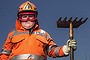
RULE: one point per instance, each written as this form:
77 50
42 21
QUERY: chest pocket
42 36
18 36
41 39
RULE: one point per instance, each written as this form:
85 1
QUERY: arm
56 51
53 49
6 49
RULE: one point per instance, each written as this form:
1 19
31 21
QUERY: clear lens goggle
27 16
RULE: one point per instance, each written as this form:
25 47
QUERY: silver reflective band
27 56
56 51
51 47
4 51
42 33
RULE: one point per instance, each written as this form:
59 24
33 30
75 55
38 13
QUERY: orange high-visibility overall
36 42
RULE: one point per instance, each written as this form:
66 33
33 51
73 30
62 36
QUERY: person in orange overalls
28 41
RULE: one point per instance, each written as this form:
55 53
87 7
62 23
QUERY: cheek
31 23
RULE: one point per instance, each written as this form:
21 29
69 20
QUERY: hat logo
28 6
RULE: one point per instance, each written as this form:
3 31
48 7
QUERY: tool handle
71 37
71 54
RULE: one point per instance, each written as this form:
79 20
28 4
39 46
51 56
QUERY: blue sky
49 12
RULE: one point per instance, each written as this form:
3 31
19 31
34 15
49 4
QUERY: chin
28 27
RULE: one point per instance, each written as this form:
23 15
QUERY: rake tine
75 19
60 18
80 19
85 20
65 19
70 19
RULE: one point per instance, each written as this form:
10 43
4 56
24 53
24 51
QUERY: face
28 21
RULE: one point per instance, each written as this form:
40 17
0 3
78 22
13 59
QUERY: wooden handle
71 37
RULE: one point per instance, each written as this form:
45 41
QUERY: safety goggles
24 17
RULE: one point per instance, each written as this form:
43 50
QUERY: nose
28 18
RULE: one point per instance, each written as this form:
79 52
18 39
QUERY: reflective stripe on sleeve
51 47
4 51
56 51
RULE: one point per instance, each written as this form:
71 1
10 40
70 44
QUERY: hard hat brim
27 11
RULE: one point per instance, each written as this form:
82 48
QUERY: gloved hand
70 43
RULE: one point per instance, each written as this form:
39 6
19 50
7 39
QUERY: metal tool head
65 23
